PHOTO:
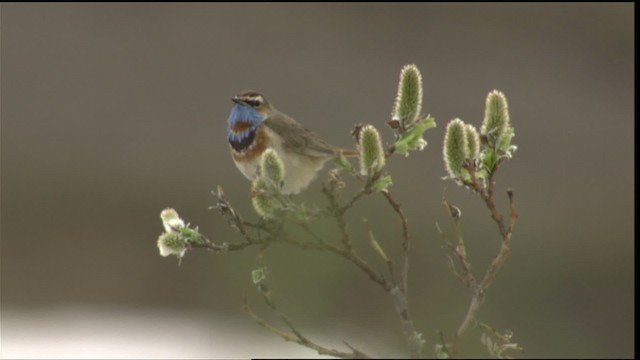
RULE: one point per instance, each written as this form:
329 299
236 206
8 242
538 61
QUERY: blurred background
112 112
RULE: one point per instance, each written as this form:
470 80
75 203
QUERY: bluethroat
255 125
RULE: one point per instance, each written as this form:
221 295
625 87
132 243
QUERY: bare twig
308 230
399 293
225 247
295 335
466 277
470 317
376 246
405 239
479 289
353 200
338 212
348 255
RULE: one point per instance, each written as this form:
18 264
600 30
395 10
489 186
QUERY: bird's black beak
237 100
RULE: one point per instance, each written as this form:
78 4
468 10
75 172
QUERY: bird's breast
241 126
249 148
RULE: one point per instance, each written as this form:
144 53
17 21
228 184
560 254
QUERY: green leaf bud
504 142
272 167
408 104
371 151
342 162
382 183
258 275
171 220
170 243
473 141
455 147
496 116
412 139
262 199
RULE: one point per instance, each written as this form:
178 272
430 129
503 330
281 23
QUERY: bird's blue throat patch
242 126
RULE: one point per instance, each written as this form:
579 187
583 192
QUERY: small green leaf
372 157
455 148
412 139
473 141
441 352
382 183
408 104
342 163
489 160
189 234
258 275
272 168
504 142
481 174
496 115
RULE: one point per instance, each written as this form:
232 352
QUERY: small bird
255 125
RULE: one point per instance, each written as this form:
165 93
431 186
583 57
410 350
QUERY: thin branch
490 202
476 301
405 239
296 336
338 212
255 225
376 246
466 277
353 200
495 267
479 289
225 247
349 255
412 336
506 233
397 291
459 251
399 294
512 213
308 230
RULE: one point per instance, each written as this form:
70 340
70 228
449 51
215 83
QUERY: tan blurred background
112 112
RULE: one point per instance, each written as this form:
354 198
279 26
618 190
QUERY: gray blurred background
112 112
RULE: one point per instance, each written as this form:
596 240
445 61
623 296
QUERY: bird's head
249 110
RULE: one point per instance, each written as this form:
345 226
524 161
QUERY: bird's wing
296 138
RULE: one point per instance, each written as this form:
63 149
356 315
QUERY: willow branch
205 243
295 335
405 239
344 253
399 293
480 288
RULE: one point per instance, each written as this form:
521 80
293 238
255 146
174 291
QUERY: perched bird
255 125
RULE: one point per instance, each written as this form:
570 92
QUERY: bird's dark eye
255 103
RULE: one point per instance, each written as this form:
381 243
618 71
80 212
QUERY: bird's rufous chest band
241 126
249 151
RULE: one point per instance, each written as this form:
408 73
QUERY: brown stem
297 337
479 289
349 255
405 239
476 301
225 247
399 293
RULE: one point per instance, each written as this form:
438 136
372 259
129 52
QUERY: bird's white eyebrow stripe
253 98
